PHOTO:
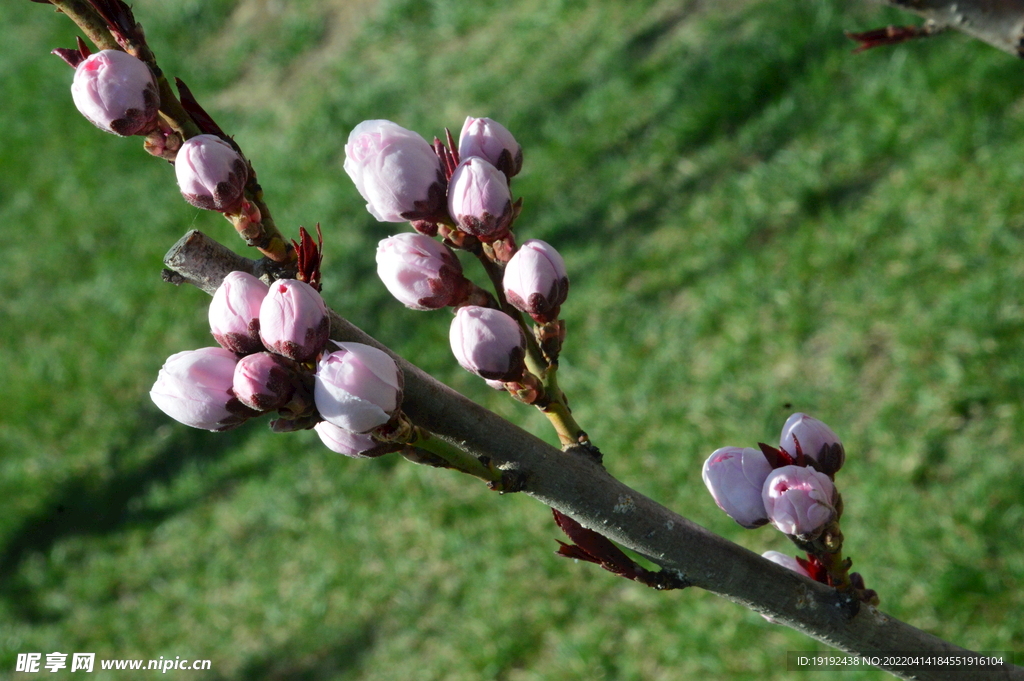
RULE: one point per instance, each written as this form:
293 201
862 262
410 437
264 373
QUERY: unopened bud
356 445
535 280
358 387
488 343
396 171
235 312
211 174
735 477
117 93
817 442
799 501
479 199
423 274
294 320
194 387
492 141
265 381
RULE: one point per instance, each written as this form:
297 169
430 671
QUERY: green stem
455 457
91 23
558 413
831 556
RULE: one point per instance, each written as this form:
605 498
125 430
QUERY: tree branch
575 485
999 23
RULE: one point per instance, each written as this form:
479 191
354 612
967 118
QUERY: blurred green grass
755 221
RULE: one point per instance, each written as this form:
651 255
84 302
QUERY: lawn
755 222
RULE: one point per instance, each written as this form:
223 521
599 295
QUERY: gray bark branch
582 489
999 23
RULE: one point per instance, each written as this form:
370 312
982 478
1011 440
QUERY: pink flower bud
422 273
117 93
491 141
358 387
194 387
211 174
489 343
735 477
294 320
535 280
479 199
265 381
799 501
396 171
356 445
235 312
817 442
788 562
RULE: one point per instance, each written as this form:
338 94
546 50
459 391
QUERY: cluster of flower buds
790 487
275 355
118 93
464 196
402 177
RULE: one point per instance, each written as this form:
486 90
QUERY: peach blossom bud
479 199
235 312
492 141
535 280
194 387
293 320
735 477
799 501
356 445
788 562
358 387
265 381
117 93
211 174
817 442
395 170
423 274
488 343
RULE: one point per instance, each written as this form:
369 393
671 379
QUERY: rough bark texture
999 23
580 488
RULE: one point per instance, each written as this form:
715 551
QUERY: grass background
755 222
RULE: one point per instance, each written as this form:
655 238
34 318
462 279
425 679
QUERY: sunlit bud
817 442
785 561
535 280
235 312
358 387
211 174
422 273
293 320
396 171
356 445
117 93
489 343
491 141
479 199
799 500
194 387
265 381
735 477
